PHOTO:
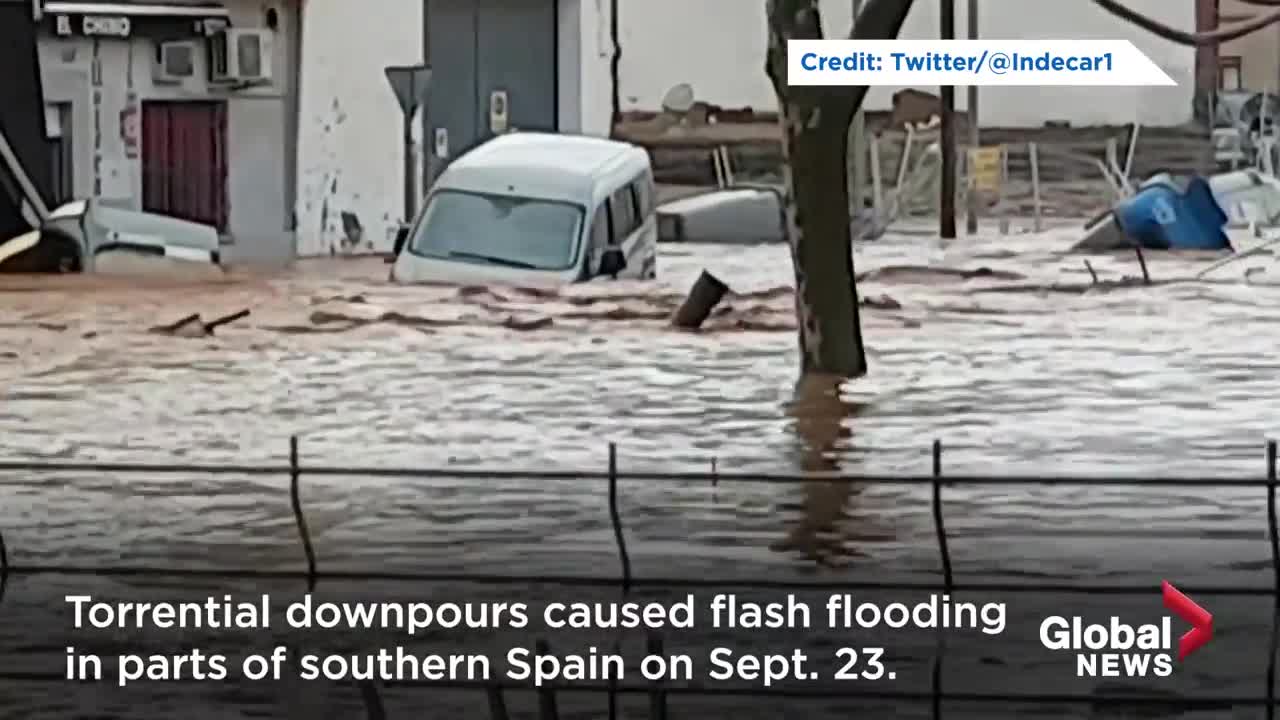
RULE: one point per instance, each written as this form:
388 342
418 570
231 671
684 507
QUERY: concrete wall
350 142
349 124
596 59
718 47
259 125
1259 52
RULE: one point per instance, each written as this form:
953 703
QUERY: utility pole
858 145
947 205
975 138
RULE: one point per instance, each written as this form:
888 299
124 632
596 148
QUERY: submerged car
535 208
90 236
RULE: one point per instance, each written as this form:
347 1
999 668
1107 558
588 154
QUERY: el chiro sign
94 25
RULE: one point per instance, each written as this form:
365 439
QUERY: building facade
185 109
497 65
1253 61
717 46
551 65
273 119
22 120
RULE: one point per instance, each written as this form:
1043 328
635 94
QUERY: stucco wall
350 142
718 47
350 157
1259 52
258 125
596 59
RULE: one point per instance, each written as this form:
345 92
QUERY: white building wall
349 136
350 128
350 147
596 61
718 47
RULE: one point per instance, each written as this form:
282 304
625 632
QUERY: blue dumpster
1160 217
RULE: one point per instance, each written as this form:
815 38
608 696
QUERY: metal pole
410 182
947 206
858 144
975 139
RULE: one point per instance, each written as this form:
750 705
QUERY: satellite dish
679 99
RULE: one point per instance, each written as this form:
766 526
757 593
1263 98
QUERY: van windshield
500 230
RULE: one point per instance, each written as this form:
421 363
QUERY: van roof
545 165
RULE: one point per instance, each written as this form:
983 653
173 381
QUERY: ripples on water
1174 379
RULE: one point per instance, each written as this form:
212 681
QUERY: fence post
373 708
497 705
547 709
947 579
4 565
616 518
939 527
657 697
295 499
1273 528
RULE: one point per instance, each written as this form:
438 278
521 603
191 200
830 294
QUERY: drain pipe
615 33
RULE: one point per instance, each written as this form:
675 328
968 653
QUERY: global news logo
1120 650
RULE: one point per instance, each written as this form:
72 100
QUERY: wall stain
352 231
95 75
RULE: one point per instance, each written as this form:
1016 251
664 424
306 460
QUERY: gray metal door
451 103
479 50
516 59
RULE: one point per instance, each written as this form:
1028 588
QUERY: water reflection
820 416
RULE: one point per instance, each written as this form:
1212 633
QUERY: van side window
644 192
599 230
622 211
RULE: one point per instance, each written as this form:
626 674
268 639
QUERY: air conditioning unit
240 55
175 61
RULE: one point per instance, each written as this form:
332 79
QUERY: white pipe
877 184
1035 183
905 162
1133 147
728 165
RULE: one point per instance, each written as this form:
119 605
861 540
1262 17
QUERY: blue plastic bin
1160 217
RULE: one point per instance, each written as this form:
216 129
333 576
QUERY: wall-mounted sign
442 143
130 127
498 112
986 169
95 25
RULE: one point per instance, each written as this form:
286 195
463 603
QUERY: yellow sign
986 166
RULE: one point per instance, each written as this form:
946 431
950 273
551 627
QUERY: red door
184 161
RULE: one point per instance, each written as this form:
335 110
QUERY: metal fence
626 581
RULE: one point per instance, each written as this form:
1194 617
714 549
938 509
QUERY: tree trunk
821 415
815 127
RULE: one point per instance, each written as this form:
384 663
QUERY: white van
536 208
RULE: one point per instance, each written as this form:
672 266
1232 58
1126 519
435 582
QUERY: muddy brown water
1174 379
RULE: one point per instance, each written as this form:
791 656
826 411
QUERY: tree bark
815 134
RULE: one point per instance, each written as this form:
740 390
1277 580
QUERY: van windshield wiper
494 260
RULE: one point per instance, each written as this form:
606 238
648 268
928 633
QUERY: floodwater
1174 379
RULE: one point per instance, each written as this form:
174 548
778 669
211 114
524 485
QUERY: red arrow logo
1200 620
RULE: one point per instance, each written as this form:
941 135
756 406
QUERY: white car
535 208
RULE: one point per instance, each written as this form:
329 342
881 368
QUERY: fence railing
626 580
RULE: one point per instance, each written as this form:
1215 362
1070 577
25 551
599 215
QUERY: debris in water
883 302
707 292
514 323
193 326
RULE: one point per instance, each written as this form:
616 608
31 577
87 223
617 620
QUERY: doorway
61 152
184 160
494 68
